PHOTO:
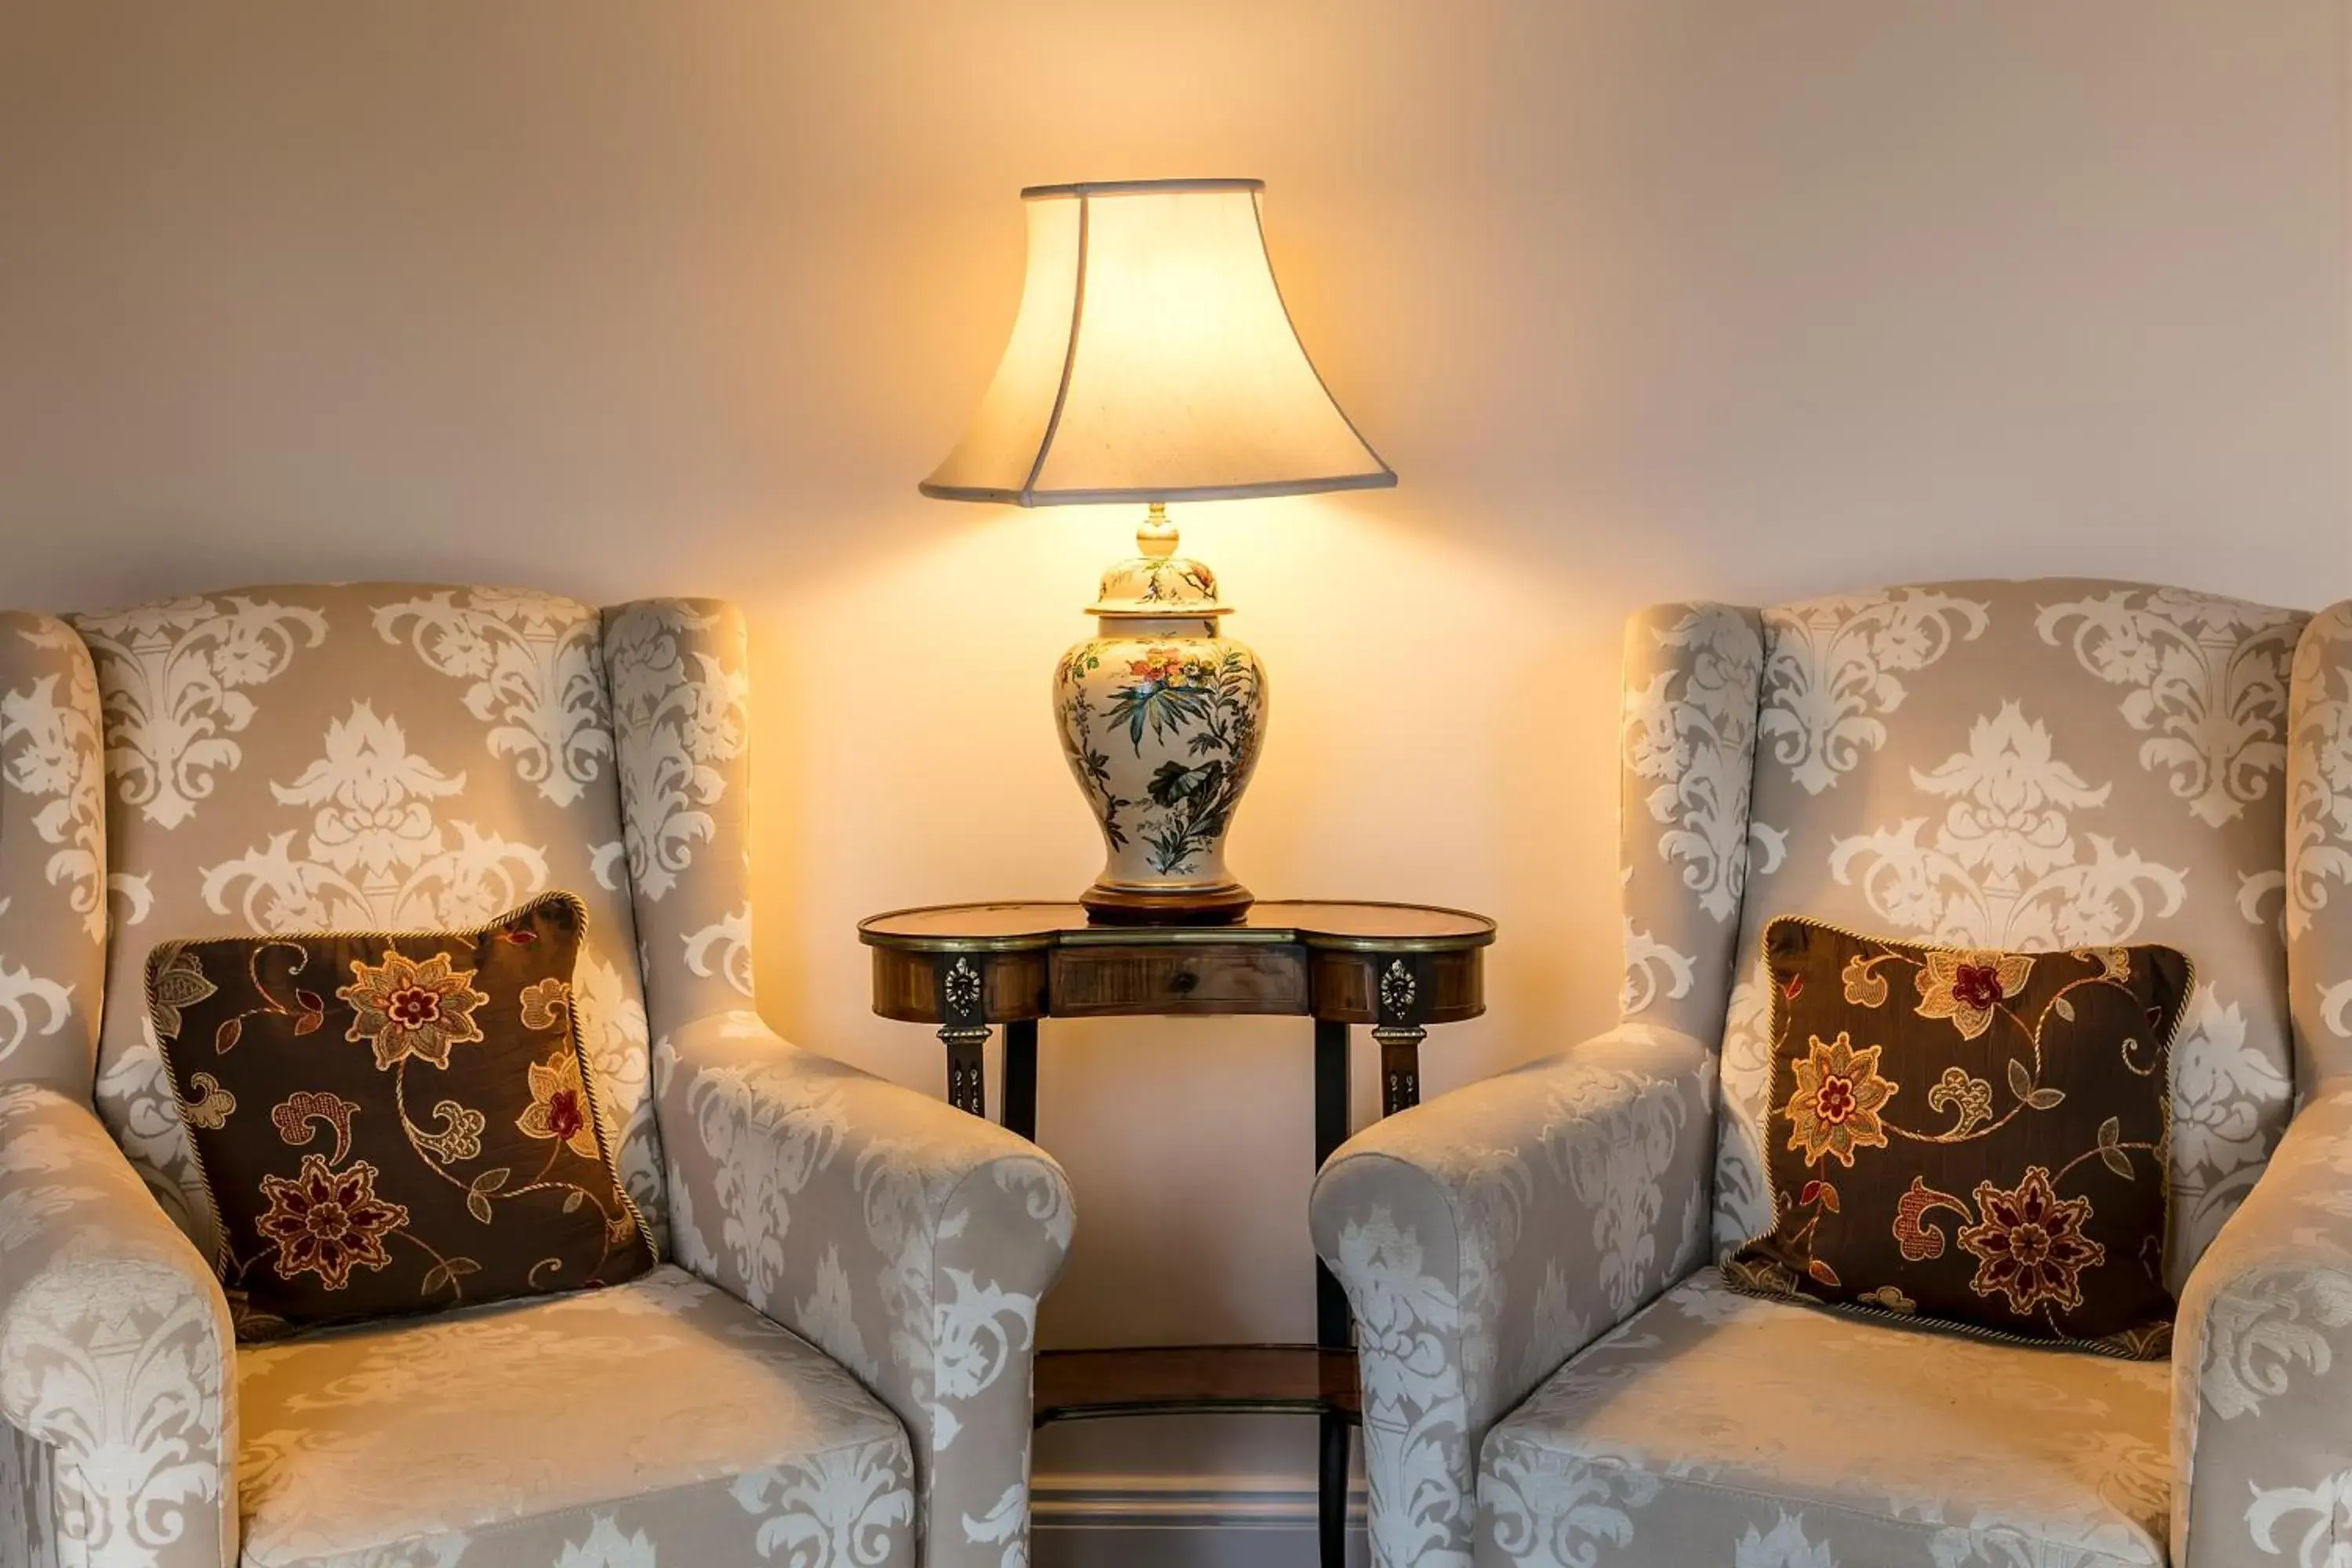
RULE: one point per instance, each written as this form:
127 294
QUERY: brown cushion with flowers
393 1123
1971 1139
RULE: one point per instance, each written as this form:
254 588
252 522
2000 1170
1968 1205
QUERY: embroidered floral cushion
1973 1139
393 1123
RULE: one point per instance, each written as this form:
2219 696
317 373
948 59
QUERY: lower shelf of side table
1164 1380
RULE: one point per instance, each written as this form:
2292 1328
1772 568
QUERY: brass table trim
1300 934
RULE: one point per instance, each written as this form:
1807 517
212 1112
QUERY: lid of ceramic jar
1159 585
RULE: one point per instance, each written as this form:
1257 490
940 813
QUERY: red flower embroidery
559 1106
1836 1108
404 1008
1968 987
1976 985
2029 1246
326 1222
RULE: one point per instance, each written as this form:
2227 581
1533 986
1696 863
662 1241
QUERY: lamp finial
1155 536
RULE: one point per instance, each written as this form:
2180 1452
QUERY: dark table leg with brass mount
1404 987
964 1029
1398 968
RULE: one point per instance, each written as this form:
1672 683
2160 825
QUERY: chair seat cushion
1716 1428
657 1420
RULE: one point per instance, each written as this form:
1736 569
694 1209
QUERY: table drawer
1093 981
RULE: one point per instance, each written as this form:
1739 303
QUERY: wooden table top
1015 927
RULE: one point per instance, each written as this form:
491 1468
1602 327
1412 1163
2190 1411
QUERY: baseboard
1181 1521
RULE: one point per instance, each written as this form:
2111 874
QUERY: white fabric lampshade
1152 360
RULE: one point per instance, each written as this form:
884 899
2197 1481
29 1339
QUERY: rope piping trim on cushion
164 951
2110 1345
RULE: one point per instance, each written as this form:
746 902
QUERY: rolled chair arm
2261 1363
1489 1236
115 1348
908 1240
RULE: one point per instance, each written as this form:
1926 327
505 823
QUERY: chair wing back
376 756
2037 765
1693 673
52 856
2319 850
681 698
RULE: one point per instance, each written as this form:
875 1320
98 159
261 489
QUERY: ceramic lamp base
1162 716
1188 906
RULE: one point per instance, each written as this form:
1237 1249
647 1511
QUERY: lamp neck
1155 536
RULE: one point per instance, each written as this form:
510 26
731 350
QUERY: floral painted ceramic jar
1162 717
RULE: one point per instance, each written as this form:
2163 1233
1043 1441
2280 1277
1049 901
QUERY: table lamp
1152 360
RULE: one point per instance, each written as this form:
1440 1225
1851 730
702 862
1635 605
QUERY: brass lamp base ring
1173 906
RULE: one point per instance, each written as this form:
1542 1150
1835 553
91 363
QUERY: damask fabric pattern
2260 1387
298 759
2263 1375
907 1240
1719 1428
2026 765
1485 1236
1688 732
52 854
2035 765
681 692
115 1356
363 757
29 1522
2318 880
708 1437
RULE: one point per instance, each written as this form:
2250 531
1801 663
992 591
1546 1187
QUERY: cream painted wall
1644 301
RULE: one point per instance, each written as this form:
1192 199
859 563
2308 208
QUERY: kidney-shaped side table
1397 967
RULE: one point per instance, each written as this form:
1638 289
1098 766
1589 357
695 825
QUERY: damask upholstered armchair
830 1366
1554 1371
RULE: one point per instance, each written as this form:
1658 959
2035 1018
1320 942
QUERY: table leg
1332 1327
964 1029
1020 1078
967 1082
1403 993
1400 1067
1331 1495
